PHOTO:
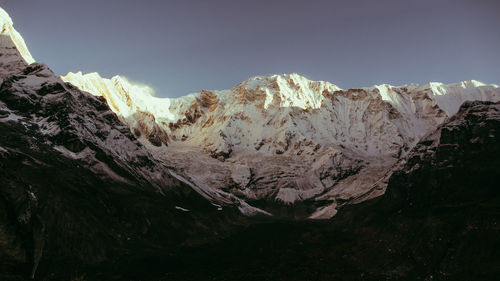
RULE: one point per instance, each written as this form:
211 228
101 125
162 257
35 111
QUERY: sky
182 46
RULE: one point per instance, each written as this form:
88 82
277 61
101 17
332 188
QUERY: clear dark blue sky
182 46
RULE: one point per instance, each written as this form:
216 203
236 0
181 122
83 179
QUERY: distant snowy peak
14 53
133 103
448 97
123 96
286 90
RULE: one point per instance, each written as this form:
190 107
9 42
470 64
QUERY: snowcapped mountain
285 138
99 178
280 142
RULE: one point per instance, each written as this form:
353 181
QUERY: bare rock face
208 99
146 125
471 135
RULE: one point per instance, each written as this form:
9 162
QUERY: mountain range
100 179
338 146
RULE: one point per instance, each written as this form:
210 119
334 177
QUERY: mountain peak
11 42
283 90
5 18
293 80
14 53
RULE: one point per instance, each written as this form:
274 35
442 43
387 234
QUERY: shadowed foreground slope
78 190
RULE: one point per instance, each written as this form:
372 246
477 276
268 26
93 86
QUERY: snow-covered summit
286 90
124 96
15 54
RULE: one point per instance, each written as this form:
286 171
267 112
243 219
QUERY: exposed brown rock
147 126
209 100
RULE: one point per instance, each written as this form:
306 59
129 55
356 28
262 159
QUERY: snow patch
11 117
85 153
181 209
325 212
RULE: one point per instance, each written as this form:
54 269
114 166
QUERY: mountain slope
77 186
283 139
